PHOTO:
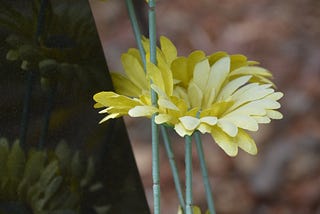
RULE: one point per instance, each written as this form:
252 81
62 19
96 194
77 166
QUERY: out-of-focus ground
284 36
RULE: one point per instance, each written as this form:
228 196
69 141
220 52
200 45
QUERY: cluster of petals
220 94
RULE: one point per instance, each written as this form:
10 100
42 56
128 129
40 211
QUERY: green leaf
33 169
64 155
51 189
77 166
4 152
89 173
16 162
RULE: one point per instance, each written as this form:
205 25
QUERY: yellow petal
190 123
253 93
98 105
140 111
155 75
110 116
261 119
193 59
228 127
134 70
251 70
135 53
204 128
201 74
251 108
218 74
168 49
216 56
166 74
274 114
268 104
179 69
232 86
225 142
109 98
209 120
159 91
275 96
196 210
194 94
182 93
209 98
162 118
181 130
246 143
237 61
125 86
166 103
242 121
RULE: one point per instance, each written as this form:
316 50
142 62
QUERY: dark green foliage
67 37
46 181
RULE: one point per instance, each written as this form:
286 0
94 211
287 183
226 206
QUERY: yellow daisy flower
224 95
133 89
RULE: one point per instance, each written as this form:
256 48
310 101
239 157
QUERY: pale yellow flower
221 97
224 95
133 89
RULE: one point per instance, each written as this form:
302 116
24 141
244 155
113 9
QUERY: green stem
47 115
188 162
136 30
25 110
154 126
174 170
204 172
30 78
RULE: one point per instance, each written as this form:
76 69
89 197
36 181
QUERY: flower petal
246 143
166 103
162 118
274 114
181 130
232 86
134 70
140 111
251 70
201 74
204 128
168 49
194 94
225 142
125 86
155 75
209 120
242 121
261 119
110 116
190 123
218 74
228 127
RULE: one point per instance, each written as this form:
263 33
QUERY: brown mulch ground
285 37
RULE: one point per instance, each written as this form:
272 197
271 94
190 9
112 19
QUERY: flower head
224 95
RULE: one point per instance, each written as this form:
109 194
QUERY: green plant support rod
154 126
204 172
137 34
25 110
188 166
136 30
30 78
174 170
47 115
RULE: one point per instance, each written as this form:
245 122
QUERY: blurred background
284 36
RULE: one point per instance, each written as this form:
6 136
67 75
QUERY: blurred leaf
16 162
